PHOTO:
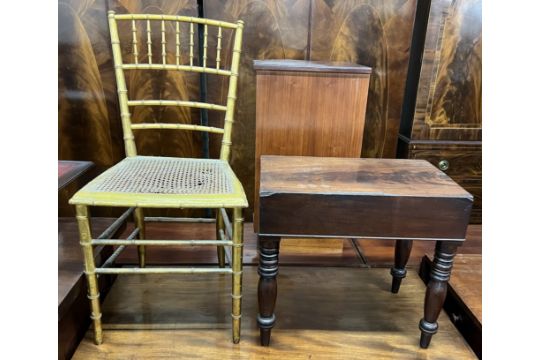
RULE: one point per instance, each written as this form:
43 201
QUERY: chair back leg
220 249
139 222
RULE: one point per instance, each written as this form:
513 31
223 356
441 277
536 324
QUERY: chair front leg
237 253
85 234
139 222
220 249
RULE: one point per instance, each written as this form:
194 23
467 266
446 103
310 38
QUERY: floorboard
466 281
323 313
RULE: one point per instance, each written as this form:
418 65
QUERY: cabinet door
449 97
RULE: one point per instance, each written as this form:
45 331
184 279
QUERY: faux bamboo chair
139 182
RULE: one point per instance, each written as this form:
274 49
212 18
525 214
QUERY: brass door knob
444 165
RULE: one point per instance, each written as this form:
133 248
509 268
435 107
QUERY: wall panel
378 34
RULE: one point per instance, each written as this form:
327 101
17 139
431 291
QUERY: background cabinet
442 110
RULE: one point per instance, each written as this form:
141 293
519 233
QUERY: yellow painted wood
198 69
218 48
187 19
209 129
135 48
191 43
155 242
85 235
238 233
120 66
149 40
163 44
129 140
231 97
194 104
87 196
177 32
219 228
205 45
236 199
139 222
163 270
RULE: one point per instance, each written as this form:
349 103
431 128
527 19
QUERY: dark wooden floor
323 313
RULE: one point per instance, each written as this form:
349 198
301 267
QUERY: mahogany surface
310 66
374 198
70 170
368 198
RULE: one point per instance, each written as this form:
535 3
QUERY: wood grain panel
310 114
85 125
449 98
273 30
376 34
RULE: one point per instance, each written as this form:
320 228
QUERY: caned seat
149 181
151 42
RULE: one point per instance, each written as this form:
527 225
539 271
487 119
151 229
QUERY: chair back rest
170 61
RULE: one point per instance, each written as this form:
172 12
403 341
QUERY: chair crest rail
187 19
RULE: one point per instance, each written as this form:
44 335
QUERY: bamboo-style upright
228 236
